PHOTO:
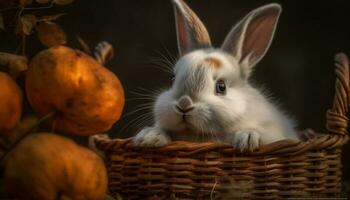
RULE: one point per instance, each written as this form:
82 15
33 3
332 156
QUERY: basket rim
186 148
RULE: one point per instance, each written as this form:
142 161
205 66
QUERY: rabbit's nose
184 104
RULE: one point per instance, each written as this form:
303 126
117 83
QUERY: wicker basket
284 169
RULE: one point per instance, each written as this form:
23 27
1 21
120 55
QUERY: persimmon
48 166
87 98
10 103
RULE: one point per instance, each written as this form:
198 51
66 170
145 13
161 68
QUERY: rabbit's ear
249 40
191 32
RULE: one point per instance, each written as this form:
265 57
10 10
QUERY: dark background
297 70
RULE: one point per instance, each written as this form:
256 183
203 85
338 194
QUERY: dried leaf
25 3
49 18
26 24
63 2
2 26
43 1
8 58
104 52
16 63
50 34
8 140
84 46
18 66
92 145
21 129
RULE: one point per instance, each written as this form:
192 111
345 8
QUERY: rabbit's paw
151 137
246 140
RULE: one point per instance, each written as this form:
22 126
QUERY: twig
41 8
84 46
23 45
213 189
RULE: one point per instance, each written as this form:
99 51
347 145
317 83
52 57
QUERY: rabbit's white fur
242 117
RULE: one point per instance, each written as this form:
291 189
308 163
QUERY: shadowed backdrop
297 70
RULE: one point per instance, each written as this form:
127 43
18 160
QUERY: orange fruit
10 103
87 98
47 166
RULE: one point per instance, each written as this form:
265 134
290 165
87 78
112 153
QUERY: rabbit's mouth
185 118
191 129
190 133
190 126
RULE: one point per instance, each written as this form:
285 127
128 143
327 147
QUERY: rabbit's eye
220 87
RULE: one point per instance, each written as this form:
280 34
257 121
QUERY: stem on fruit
53 128
83 45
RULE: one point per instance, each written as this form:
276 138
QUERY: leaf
63 2
25 3
49 18
18 66
50 34
21 129
8 140
26 24
104 52
16 63
43 1
2 26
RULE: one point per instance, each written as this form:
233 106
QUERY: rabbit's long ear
249 40
191 33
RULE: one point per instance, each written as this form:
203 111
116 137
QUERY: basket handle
337 121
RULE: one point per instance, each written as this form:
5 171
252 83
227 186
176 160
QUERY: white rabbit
211 96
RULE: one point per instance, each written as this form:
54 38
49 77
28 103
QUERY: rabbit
211 98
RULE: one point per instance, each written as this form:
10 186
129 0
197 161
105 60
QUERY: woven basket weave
284 169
